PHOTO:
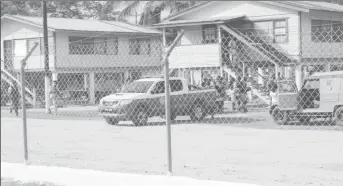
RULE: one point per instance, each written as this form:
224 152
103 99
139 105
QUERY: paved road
205 151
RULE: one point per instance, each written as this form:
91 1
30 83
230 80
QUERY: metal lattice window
326 31
209 34
139 47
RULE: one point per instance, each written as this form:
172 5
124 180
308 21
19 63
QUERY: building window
209 34
280 31
20 47
30 44
139 47
106 46
272 31
81 45
325 31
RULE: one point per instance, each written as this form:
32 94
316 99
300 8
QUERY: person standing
14 97
54 93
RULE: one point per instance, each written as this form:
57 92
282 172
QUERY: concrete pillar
298 76
92 88
288 72
260 79
54 76
85 81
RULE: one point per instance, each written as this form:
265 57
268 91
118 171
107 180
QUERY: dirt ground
218 151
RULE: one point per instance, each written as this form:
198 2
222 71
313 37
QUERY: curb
82 177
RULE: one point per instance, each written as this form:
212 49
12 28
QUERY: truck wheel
111 121
280 117
338 116
304 120
197 113
141 117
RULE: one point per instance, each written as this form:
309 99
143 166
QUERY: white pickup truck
145 98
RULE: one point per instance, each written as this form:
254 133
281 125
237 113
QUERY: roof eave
111 32
26 22
284 5
188 24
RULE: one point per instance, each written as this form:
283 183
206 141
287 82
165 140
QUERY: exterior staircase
257 44
30 94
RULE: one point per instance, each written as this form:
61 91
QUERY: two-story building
85 56
276 36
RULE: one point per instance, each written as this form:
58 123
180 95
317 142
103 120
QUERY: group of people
239 98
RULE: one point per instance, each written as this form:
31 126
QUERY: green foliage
65 9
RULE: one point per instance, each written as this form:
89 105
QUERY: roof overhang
25 22
287 5
181 23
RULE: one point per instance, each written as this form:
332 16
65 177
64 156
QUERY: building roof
296 5
177 14
70 24
313 5
213 20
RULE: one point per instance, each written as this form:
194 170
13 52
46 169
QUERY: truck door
178 97
157 104
329 93
287 95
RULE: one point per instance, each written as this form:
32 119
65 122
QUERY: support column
54 76
92 88
288 72
260 79
55 101
298 76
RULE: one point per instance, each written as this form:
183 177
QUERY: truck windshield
137 87
287 87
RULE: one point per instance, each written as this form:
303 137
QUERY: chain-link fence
222 79
232 76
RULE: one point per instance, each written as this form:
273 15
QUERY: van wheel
197 112
304 120
280 117
338 116
111 121
141 117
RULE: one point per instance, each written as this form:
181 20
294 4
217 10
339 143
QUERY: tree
65 9
151 13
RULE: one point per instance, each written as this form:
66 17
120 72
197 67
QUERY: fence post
34 97
167 97
22 71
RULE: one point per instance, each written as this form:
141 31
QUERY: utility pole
46 58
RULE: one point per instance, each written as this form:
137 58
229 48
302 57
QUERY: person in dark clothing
220 90
14 96
241 91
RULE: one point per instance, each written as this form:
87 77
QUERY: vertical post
167 99
34 97
26 156
46 58
22 71
220 50
298 76
164 37
55 102
91 88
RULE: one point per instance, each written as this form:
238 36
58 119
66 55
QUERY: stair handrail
252 42
28 85
15 79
